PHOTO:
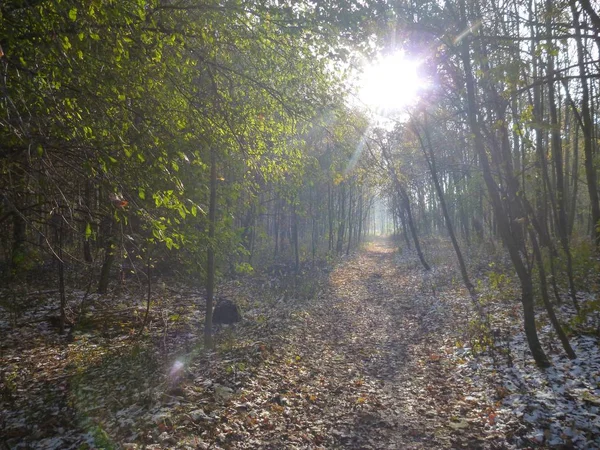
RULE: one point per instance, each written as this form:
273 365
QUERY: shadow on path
383 327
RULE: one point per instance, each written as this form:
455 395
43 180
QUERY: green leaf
73 14
142 193
88 230
66 44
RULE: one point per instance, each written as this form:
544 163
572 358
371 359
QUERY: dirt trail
364 366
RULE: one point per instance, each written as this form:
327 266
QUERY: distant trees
502 133
206 132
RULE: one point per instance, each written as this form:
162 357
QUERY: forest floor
377 354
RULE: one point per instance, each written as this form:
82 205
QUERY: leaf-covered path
372 339
363 368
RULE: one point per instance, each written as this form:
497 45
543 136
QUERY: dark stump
226 312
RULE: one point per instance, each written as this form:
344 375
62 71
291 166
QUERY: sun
391 83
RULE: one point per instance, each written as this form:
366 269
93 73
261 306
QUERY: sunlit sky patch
391 84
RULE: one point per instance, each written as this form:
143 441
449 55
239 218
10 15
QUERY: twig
147 299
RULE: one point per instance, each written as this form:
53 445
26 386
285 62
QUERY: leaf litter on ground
376 354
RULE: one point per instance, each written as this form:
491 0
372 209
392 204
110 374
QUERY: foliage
111 112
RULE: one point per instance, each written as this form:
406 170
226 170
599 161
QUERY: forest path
376 338
364 368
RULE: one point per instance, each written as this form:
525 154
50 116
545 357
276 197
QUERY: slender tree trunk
564 340
405 199
430 158
360 216
561 215
395 224
148 292
330 215
314 226
574 179
350 207
276 225
342 218
110 250
503 223
400 213
413 231
295 237
210 266
544 188
19 240
87 250
548 243
61 271
588 131
248 225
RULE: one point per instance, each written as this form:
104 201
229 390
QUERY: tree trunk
546 299
350 207
430 158
330 215
342 216
295 237
87 248
314 235
360 216
588 131
574 179
404 227
405 199
561 215
277 225
508 236
61 270
110 250
17 256
210 266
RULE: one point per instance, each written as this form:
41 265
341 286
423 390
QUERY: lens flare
177 367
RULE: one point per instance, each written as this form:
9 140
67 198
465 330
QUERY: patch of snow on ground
556 407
